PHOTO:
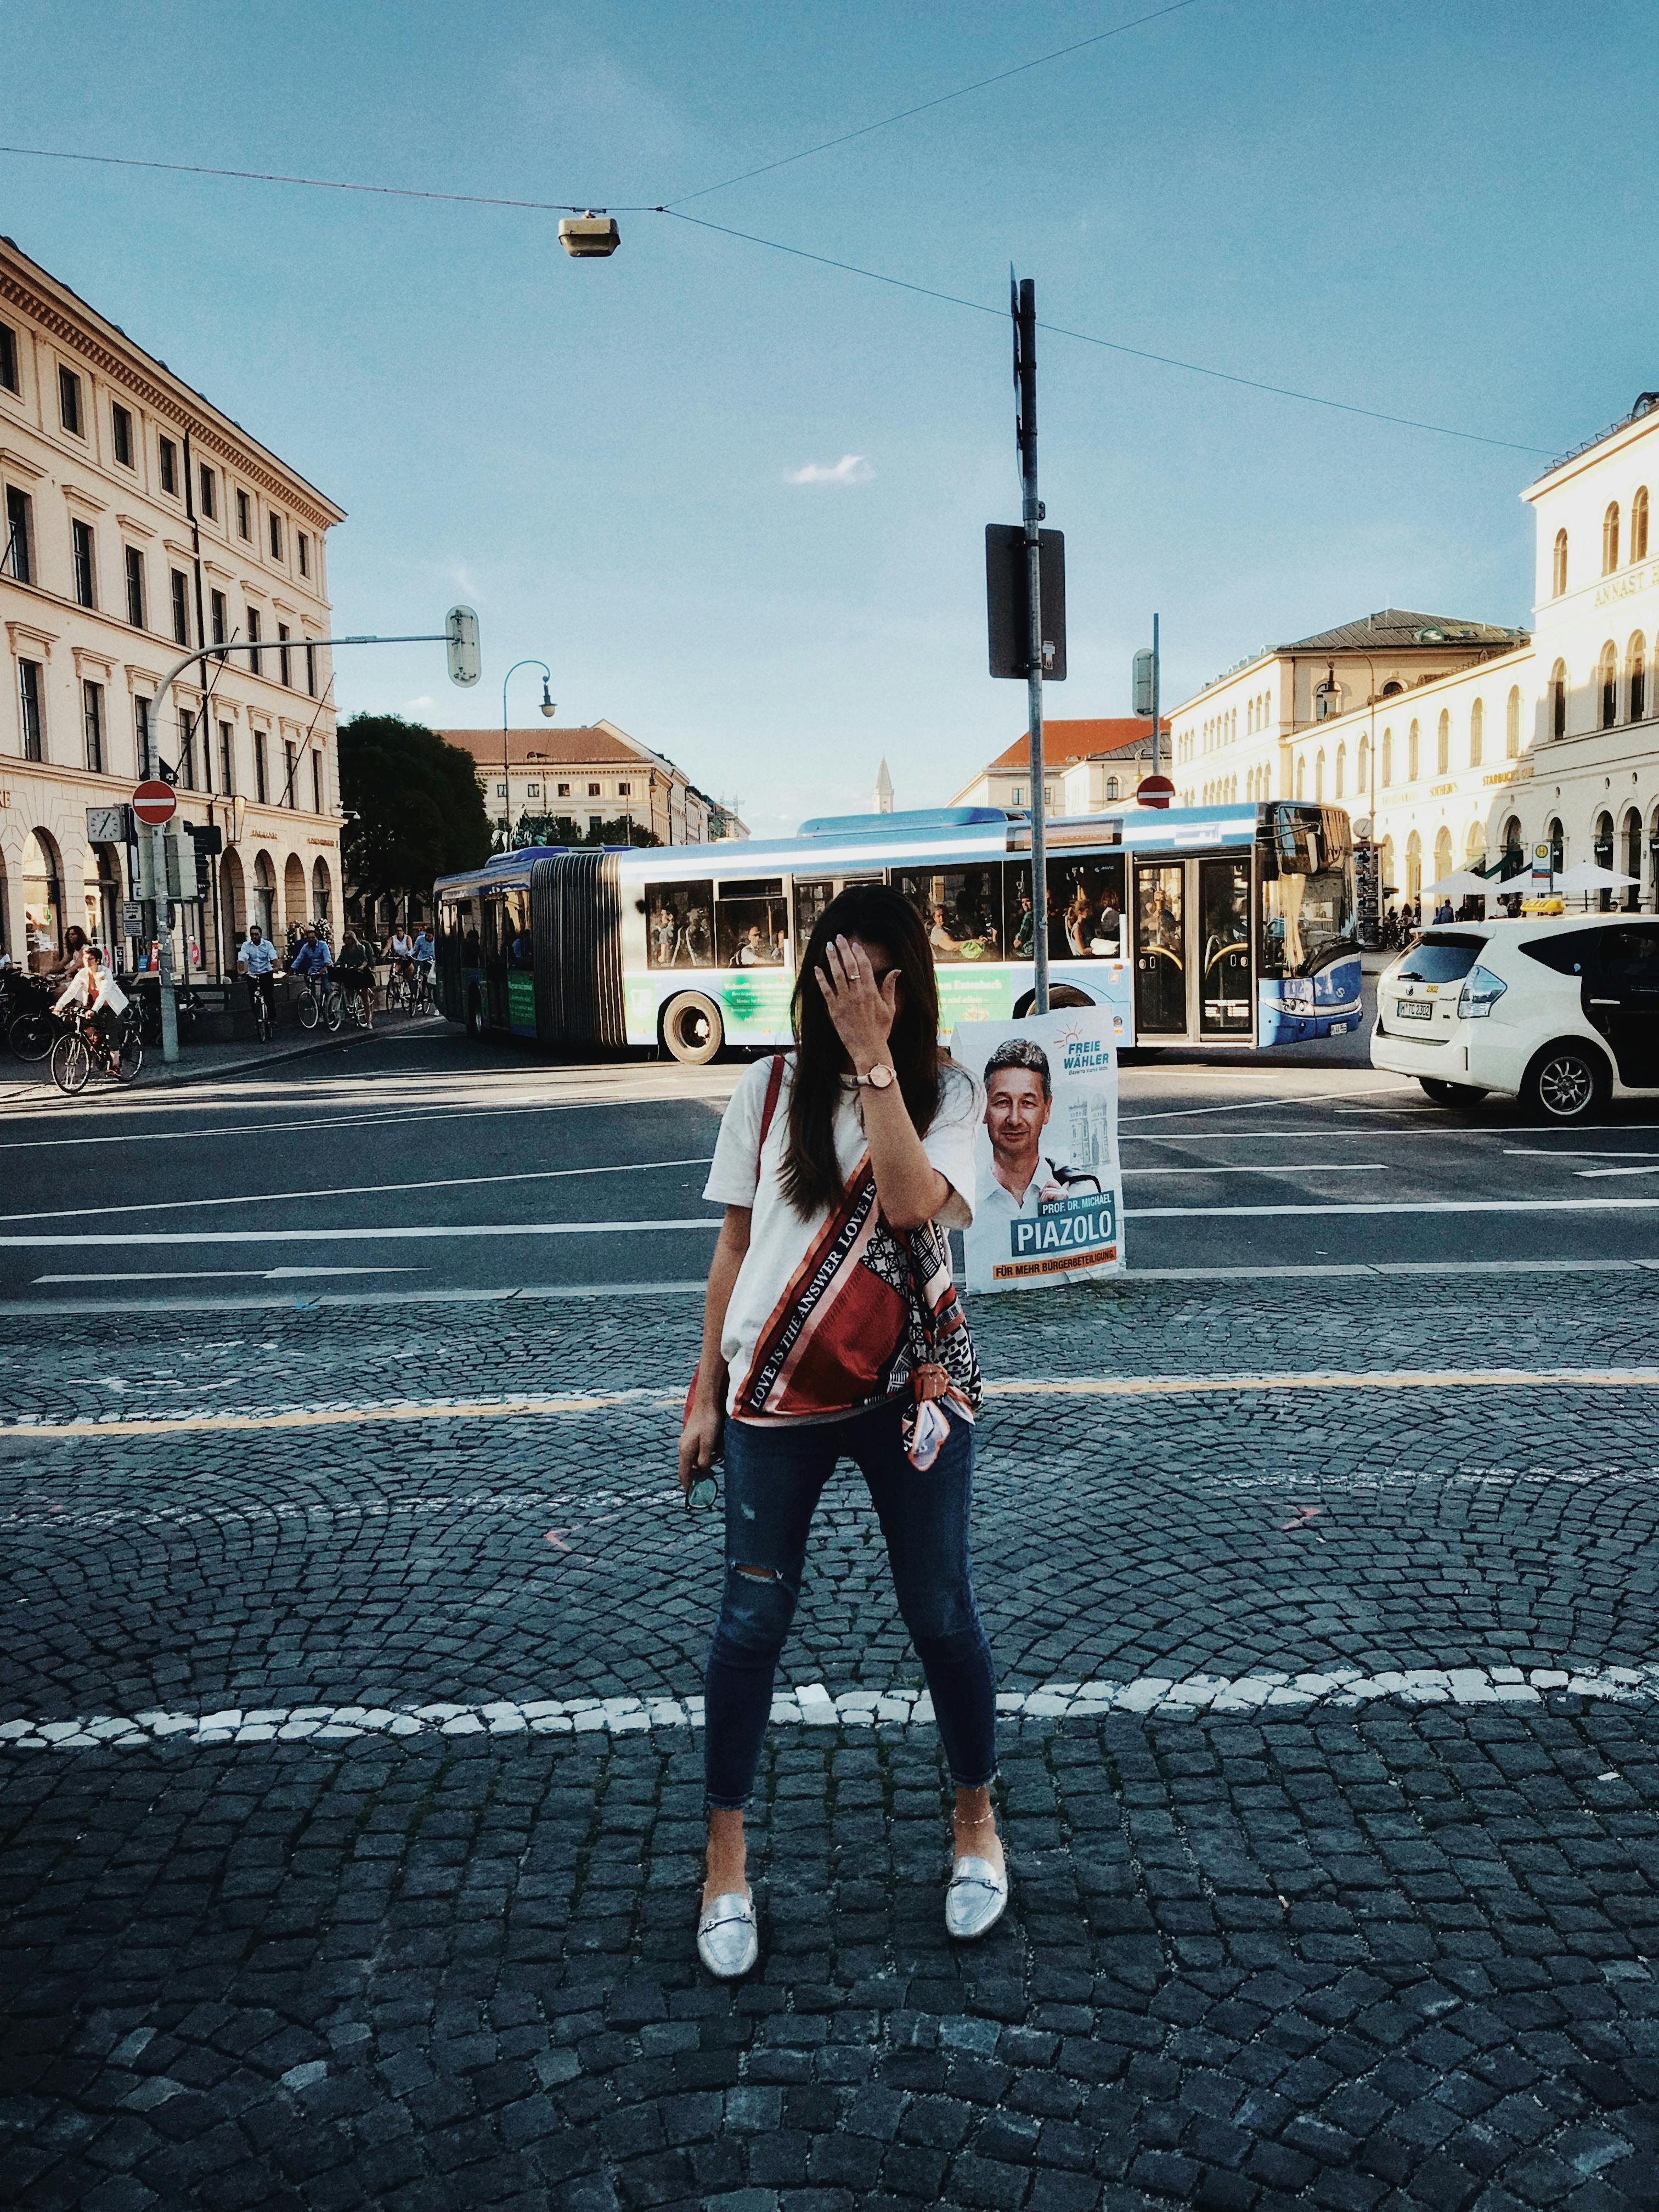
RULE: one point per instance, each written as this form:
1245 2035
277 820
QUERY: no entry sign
153 802
1154 791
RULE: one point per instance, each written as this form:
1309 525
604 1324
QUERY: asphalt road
415 1163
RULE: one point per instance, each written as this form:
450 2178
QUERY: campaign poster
1048 1208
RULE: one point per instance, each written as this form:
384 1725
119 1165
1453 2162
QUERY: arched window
1319 774
1341 771
1558 700
1389 883
1557 837
1558 566
42 875
1443 856
1610 538
1387 758
1515 852
1631 860
1603 851
1477 731
1638 525
1412 754
1512 725
1413 865
1362 773
1111 786
1301 776
1475 845
1391 690
1442 743
1607 678
1636 677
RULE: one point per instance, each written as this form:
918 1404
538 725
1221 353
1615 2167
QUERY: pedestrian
831 1329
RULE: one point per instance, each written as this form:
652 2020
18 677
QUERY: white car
1561 1013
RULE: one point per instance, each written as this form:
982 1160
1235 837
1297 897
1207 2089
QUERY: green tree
561 829
414 811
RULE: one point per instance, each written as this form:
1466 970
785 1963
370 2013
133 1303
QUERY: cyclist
425 953
93 987
312 960
355 970
256 961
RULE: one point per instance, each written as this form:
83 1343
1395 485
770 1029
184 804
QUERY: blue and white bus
1207 925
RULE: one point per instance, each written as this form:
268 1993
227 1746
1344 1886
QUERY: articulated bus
1213 925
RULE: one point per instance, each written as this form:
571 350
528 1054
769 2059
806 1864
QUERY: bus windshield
1307 890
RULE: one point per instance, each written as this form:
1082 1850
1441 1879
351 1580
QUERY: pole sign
1007 601
153 802
1543 862
1154 791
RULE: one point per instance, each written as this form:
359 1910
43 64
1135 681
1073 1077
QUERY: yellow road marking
1112 1386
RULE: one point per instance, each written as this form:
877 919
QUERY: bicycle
33 1027
399 989
82 1045
423 999
261 1013
320 1000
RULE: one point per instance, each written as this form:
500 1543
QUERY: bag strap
774 1084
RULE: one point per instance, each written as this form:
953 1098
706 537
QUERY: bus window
679 931
1085 906
812 894
1223 921
960 908
752 924
1307 891
515 931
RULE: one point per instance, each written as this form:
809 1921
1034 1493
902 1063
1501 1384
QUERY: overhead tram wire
1109 345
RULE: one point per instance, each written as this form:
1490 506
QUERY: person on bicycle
100 1001
356 971
425 953
399 948
256 962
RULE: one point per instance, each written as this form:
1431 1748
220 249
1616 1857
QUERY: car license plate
1415 1010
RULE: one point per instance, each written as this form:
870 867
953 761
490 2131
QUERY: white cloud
415 707
850 469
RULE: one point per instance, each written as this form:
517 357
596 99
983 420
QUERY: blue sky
1441 211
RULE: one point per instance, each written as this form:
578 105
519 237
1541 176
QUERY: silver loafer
976 1899
728 1942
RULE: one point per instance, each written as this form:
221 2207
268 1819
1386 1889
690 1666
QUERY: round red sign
153 802
1154 791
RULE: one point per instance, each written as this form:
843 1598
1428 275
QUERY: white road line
396 1233
226 1275
1408 1206
1272 1695
1579 1153
1259 1105
360 1190
1591 1174
1226 1168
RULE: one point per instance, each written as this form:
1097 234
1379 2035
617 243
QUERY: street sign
1143 663
153 802
132 917
1543 862
107 825
461 636
1154 791
1006 601
209 837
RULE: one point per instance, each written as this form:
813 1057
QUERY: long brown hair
877 916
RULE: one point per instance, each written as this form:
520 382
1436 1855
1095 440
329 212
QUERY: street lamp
548 712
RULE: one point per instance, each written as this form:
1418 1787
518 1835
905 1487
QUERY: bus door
1224 995
1163 948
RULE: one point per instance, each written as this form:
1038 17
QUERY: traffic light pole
463 643
1032 511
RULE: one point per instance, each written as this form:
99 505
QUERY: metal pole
507 769
1032 510
1155 682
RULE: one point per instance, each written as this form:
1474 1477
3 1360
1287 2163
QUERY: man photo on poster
1019 1098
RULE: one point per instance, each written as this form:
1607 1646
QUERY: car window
1440 958
1631 953
1570 954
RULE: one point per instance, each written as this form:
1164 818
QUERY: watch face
881 1078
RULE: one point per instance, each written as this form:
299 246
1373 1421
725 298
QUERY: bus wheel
1062 994
691 1028
474 1016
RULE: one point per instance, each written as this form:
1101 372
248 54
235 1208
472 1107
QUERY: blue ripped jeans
774 1478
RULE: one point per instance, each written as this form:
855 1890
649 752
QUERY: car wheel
692 1029
1461 1095
1565 1083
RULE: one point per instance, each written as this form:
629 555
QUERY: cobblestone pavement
1393 1952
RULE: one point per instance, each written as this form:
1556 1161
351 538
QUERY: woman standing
831 1327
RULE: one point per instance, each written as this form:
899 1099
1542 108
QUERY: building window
68 402
1477 731
275 537
180 584
261 774
1442 744
135 561
282 652
1387 758
533 790
8 357
1639 525
255 656
209 490
92 716
1608 677
120 435
311 669
29 687
1512 725
169 455
141 732
1558 700
316 783
20 534
1111 786
1610 538
220 614
1412 763
500 791
1363 770
80 555
1558 566
1636 668
592 790
1319 775
289 759
243 516
565 791
624 791
302 546
226 758
1341 770
187 752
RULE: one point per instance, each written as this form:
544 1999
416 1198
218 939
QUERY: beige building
593 775
139 521
1462 741
1087 764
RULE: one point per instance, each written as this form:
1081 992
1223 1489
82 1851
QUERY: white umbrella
1588 876
1464 884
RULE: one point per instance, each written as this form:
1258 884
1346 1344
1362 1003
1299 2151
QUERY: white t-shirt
778 1238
